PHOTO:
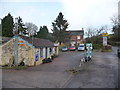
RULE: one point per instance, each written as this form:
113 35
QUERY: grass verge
14 67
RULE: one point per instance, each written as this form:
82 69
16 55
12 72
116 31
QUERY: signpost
104 38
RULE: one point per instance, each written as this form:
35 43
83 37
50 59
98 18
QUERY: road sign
104 34
104 41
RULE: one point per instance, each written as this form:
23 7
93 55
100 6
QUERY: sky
79 13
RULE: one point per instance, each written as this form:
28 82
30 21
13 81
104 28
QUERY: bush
97 46
107 48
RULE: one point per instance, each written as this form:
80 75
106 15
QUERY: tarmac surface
64 72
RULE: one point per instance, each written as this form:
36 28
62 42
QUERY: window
41 52
78 37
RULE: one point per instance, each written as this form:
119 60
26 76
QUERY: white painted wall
44 52
53 50
48 52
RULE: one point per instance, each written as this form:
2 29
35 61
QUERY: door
46 52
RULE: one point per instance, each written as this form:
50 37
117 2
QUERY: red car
72 48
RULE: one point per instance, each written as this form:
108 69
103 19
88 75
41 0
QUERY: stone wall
7 52
25 53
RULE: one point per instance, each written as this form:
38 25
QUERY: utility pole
0 43
0 31
16 42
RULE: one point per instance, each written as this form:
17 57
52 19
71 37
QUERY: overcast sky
79 13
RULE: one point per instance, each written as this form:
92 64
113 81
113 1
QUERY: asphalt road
101 72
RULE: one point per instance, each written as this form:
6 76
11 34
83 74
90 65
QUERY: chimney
82 29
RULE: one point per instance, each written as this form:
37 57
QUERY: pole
0 31
33 49
1 53
16 42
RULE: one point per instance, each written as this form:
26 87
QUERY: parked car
81 47
64 48
72 48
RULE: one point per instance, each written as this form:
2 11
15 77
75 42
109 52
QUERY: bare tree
90 32
31 28
115 20
94 33
102 29
116 28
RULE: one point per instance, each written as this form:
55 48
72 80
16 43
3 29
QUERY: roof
5 38
76 32
37 42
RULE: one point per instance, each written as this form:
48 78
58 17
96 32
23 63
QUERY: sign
104 41
21 43
104 34
36 57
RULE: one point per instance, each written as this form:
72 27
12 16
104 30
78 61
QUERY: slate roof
37 42
76 32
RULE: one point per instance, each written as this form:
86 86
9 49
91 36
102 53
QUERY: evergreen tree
22 30
59 29
43 33
7 26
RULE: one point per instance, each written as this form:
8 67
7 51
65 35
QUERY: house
31 51
76 37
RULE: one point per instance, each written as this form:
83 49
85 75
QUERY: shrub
106 48
97 46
